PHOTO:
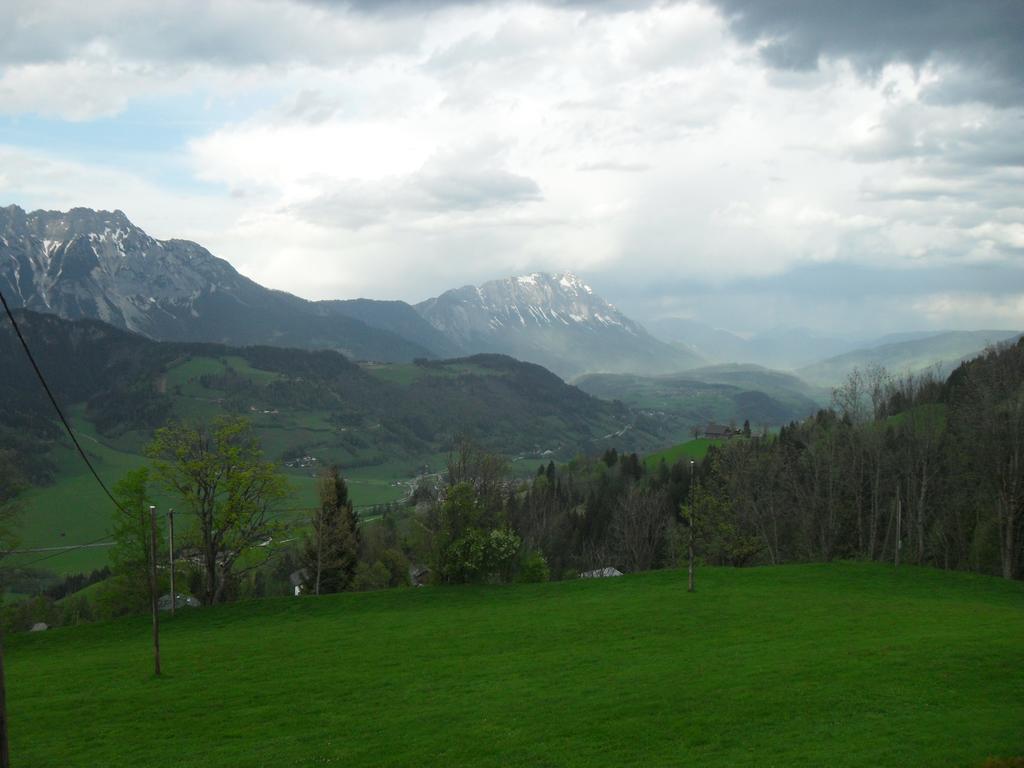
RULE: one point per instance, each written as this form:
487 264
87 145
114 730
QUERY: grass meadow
811 665
692 449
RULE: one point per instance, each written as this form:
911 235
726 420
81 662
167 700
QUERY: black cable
53 400
76 547
81 451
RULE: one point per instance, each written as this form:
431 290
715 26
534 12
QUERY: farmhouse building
718 431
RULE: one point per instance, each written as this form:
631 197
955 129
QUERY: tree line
914 469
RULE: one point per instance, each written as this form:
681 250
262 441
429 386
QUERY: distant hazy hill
777 348
396 317
97 264
942 350
555 320
781 385
712 344
724 394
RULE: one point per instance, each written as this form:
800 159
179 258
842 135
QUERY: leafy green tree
219 474
701 515
127 590
370 578
535 569
501 554
397 565
465 549
331 553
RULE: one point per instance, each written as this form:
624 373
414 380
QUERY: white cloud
401 152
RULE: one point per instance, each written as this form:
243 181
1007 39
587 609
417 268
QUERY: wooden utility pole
5 759
153 590
170 548
689 547
690 587
899 522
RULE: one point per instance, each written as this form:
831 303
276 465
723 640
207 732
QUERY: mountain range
97 264
780 348
555 320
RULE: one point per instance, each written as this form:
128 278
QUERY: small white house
601 573
297 578
39 626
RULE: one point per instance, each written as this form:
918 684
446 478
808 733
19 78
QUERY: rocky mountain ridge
554 319
98 265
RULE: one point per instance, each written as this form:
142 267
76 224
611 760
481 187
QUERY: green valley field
839 665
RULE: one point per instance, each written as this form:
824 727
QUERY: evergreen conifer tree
331 553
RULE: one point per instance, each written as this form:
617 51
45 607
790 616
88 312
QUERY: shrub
534 569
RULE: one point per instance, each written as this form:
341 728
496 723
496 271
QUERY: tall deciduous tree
639 527
219 473
127 591
332 547
989 400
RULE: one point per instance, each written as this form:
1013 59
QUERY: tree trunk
4 756
210 555
921 501
1009 537
899 525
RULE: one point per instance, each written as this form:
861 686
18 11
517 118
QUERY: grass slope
74 509
692 449
839 665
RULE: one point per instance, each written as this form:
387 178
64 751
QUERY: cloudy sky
851 167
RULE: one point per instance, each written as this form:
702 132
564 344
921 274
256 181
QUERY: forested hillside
915 469
941 351
724 394
305 401
926 470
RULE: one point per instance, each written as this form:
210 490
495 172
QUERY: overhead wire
56 406
81 452
63 551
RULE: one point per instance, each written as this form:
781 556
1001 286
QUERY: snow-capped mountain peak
553 318
539 300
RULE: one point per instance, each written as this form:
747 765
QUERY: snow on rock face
555 320
537 300
85 263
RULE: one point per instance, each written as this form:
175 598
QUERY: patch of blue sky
148 136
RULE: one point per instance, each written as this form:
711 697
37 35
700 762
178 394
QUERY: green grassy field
74 510
693 449
838 665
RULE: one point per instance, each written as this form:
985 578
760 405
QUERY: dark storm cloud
405 6
984 36
195 32
908 132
